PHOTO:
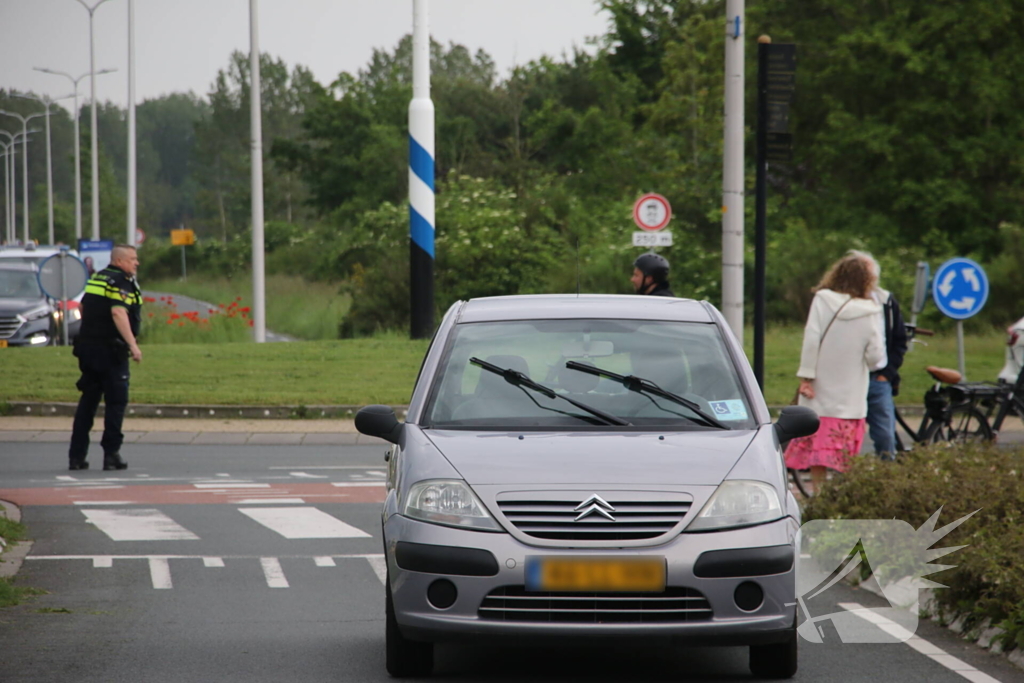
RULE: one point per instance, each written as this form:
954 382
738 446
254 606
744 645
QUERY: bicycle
1000 400
951 412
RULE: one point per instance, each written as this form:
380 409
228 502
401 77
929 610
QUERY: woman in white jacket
842 342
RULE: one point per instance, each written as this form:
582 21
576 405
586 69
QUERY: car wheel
777 660
405 658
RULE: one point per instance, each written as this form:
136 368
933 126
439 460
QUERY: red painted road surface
189 494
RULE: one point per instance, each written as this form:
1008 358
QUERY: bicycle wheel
794 478
963 424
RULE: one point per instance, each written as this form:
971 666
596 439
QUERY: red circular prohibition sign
644 200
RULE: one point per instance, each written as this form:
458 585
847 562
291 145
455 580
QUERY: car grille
675 605
8 326
556 519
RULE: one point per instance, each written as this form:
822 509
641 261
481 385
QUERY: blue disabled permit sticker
729 410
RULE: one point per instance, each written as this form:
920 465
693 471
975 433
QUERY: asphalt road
258 563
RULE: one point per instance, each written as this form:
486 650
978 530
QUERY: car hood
16 306
695 458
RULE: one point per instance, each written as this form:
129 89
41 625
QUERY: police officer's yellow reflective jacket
106 290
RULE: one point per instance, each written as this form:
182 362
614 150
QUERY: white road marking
343 484
273 572
222 485
213 561
103 562
325 562
306 475
379 565
266 501
160 573
305 522
223 474
104 502
138 525
926 648
65 477
327 467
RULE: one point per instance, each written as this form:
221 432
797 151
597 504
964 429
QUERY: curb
11 559
984 635
217 412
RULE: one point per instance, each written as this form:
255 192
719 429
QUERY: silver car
588 466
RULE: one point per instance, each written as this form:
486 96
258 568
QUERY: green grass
984 360
306 310
341 372
378 370
10 593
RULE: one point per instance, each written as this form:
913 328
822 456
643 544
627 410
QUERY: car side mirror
379 421
794 422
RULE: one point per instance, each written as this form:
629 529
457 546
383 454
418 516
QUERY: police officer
650 275
111 315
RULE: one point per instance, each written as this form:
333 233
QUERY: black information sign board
780 84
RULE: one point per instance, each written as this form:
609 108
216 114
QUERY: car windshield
688 360
19 284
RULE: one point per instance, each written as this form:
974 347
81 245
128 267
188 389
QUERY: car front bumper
727 623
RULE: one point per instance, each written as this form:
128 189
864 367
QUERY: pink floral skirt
836 441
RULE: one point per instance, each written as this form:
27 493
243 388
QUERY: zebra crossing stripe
138 525
273 572
304 522
160 573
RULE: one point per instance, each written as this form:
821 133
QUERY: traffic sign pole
960 290
64 294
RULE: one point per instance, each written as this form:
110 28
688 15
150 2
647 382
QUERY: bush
987 581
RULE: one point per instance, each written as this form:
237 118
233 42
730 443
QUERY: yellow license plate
3 343
640 575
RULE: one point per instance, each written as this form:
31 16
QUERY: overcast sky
181 44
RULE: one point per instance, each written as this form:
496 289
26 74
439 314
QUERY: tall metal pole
421 179
7 194
24 165
95 138
131 125
732 176
256 123
46 102
78 143
761 208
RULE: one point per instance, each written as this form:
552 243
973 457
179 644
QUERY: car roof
19 265
595 306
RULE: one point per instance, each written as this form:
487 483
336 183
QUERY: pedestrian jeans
881 417
104 375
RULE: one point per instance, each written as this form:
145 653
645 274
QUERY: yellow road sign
183 238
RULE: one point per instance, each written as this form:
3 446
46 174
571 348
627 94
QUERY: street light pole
24 166
7 194
259 303
78 145
46 102
95 141
132 206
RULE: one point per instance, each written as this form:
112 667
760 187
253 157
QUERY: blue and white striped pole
421 180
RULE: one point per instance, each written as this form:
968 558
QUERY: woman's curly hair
851 275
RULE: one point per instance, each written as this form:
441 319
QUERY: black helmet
654 265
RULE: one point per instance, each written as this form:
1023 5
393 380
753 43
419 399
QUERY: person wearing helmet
650 275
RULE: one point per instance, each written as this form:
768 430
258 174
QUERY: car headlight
738 503
450 502
36 313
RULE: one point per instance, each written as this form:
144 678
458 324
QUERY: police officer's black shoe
82 465
114 462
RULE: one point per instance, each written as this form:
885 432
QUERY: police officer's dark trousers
104 375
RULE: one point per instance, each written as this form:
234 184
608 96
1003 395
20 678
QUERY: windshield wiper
518 379
642 386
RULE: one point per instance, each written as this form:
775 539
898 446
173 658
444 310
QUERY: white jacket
840 364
